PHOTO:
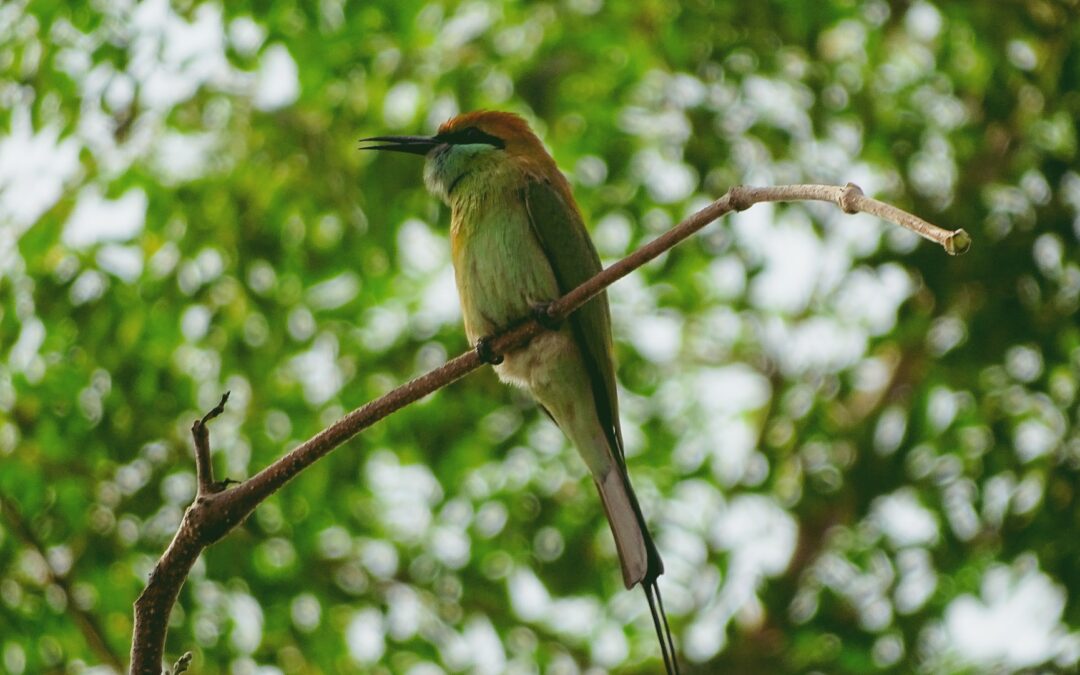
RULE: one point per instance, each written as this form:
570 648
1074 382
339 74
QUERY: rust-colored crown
512 129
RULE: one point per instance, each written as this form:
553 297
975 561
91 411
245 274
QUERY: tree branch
215 512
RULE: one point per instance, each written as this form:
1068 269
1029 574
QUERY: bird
518 242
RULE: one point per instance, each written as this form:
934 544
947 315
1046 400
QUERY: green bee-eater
517 243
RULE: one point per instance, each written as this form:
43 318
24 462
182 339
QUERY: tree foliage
859 455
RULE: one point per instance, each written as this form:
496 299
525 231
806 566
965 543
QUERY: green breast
500 269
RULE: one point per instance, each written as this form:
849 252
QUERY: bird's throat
457 181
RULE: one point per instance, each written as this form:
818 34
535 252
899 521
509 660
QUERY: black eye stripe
470 135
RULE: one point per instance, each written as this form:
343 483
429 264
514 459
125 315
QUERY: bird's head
481 149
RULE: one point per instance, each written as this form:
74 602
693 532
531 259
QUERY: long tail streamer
660 622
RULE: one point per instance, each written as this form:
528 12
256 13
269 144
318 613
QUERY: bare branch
215 512
852 200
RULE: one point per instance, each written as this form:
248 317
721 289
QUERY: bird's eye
473 134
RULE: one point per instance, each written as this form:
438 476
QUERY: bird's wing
573 258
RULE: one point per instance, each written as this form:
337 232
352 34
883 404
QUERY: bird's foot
486 353
542 313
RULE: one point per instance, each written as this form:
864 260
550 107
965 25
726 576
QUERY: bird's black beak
414 145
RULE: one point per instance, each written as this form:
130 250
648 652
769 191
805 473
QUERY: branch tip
216 410
181 664
958 242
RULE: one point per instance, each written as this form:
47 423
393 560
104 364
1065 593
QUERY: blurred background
858 454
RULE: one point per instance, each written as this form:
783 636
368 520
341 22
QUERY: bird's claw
542 313
486 353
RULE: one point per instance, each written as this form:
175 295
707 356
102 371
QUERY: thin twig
852 200
181 665
204 467
214 513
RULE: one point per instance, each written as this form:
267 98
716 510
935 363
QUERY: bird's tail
638 556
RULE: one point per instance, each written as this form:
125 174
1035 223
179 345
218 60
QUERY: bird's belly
535 366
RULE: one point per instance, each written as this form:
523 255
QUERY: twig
87 622
852 200
204 467
215 512
182 663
